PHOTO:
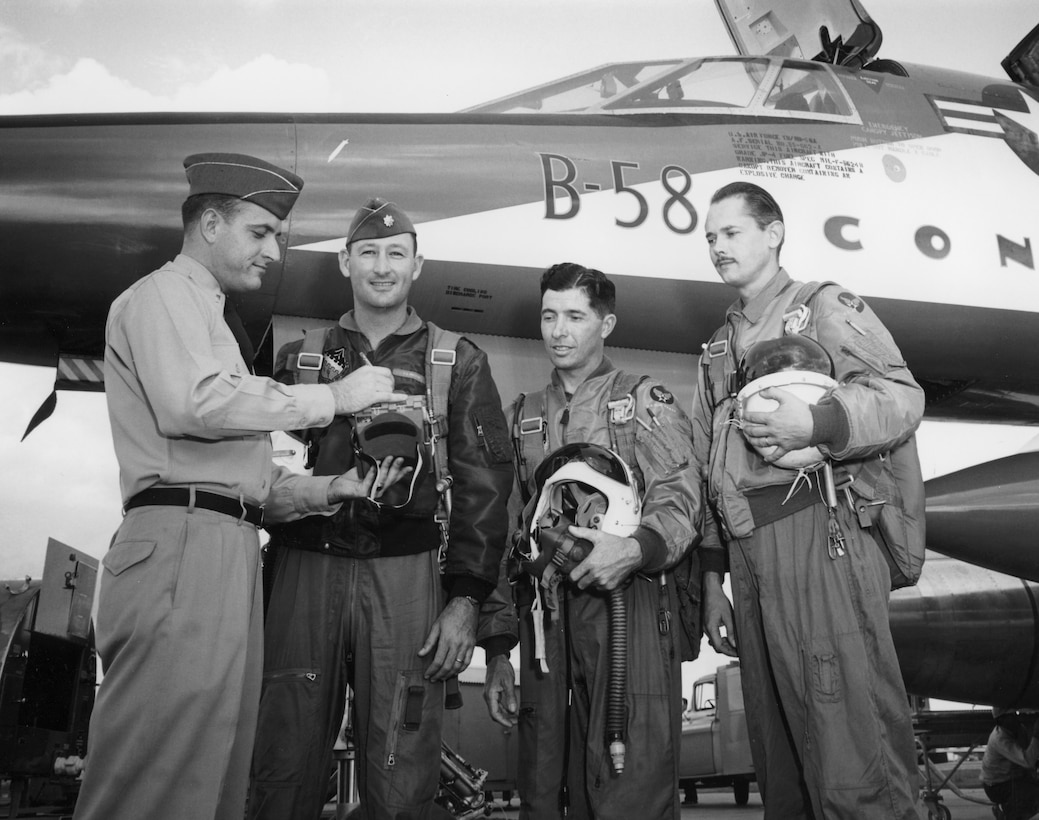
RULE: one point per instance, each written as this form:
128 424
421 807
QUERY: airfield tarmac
717 804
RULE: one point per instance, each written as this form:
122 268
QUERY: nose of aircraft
987 515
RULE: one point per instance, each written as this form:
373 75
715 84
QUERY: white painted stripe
968 108
338 149
993 127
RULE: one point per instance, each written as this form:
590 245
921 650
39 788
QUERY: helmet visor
600 459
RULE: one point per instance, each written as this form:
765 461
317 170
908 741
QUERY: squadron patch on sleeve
661 394
851 300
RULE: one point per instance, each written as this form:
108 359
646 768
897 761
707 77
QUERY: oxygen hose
617 684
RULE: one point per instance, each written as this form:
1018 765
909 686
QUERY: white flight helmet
793 363
582 484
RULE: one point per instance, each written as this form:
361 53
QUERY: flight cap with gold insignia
377 219
245 177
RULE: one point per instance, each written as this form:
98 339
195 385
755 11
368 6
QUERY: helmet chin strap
380 475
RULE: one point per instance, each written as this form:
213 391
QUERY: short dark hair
194 206
601 293
762 206
764 209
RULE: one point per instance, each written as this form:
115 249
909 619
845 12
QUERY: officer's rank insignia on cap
661 394
377 219
238 175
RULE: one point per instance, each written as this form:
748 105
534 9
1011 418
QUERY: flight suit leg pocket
826 676
412 738
842 736
288 726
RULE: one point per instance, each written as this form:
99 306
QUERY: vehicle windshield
751 86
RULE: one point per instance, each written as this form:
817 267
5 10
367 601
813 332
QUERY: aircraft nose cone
987 515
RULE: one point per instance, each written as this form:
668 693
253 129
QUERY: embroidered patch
333 365
661 394
851 300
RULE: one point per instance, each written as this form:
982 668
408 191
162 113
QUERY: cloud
22 64
265 83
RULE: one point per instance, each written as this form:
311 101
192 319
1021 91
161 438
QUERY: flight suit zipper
399 697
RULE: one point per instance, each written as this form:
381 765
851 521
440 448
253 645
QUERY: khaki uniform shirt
183 406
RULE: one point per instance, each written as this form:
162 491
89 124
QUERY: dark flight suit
355 596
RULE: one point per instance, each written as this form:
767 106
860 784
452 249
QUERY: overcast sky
393 55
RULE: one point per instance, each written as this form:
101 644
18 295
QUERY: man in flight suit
827 713
179 621
358 599
564 767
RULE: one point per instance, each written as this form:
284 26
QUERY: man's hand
499 691
451 640
787 428
364 387
718 620
612 560
351 485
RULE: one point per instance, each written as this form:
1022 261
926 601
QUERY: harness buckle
535 424
309 361
621 410
796 319
718 348
442 355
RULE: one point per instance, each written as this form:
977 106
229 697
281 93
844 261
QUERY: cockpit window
807 88
725 86
697 84
579 92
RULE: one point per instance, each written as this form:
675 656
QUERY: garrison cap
245 177
378 218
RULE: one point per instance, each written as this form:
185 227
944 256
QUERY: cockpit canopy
839 32
757 86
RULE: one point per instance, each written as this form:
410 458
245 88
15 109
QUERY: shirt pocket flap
125 554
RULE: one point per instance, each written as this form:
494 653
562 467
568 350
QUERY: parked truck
715 748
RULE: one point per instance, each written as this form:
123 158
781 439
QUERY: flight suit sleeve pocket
877 356
125 554
493 434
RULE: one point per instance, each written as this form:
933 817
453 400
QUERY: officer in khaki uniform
179 621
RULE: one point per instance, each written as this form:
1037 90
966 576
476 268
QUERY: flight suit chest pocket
125 554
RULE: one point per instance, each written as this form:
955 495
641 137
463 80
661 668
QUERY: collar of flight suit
412 323
753 310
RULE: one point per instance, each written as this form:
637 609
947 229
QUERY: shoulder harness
441 355
530 433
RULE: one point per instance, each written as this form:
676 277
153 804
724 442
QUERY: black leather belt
181 497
